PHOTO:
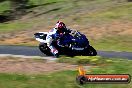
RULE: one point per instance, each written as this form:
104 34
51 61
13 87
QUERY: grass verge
81 60
10 27
4 6
66 79
113 43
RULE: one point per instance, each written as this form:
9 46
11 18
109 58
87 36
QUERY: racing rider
56 33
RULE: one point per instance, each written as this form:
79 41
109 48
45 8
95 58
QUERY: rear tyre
44 49
92 51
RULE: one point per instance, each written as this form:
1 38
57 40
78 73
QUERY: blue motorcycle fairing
80 40
65 40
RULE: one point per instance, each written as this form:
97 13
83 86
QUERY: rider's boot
54 51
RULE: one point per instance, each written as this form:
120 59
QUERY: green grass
53 80
103 10
117 65
123 11
108 12
113 43
66 79
9 27
37 2
19 25
4 6
92 60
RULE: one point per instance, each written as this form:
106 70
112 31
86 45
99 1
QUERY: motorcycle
71 44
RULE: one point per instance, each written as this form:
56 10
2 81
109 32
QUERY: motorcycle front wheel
44 49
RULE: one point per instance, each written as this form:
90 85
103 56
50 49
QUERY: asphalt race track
34 51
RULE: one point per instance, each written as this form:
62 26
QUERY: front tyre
44 49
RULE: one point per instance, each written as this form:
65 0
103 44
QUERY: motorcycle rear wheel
92 51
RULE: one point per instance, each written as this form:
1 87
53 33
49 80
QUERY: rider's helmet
60 26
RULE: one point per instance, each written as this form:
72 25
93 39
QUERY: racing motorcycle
71 44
